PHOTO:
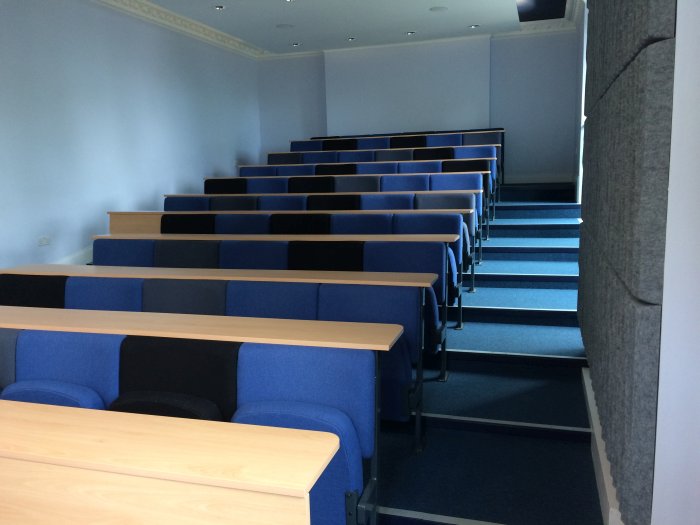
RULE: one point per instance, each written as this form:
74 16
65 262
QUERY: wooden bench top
381 149
365 336
418 280
468 131
464 211
436 237
421 192
363 162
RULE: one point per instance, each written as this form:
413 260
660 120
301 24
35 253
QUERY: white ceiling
319 25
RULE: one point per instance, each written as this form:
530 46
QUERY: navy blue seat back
244 202
257 171
186 254
318 157
268 185
242 224
184 296
272 299
284 158
123 252
333 202
339 144
282 202
189 223
450 201
387 202
186 204
325 256
425 223
393 154
459 181
436 140
373 143
406 183
355 224
311 185
356 156
419 167
260 255
226 185
300 224
336 169
376 168
357 184
102 293
306 145
295 169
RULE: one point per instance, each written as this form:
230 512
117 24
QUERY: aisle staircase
507 439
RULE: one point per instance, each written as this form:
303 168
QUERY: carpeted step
534 228
537 210
527 267
510 297
540 192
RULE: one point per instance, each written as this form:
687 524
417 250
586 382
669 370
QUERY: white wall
292 101
442 85
677 460
100 111
536 96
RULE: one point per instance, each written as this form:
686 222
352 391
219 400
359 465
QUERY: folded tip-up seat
242 224
318 157
393 155
277 300
282 202
184 296
284 158
258 255
268 185
311 185
387 202
352 183
244 202
40 291
406 183
189 223
373 143
306 145
356 224
356 156
420 167
176 203
437 140
123 252
186 254
333 202
257 171
292 170
102 293
226 185
336 169
340 144
376 168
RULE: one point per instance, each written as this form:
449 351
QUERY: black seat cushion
186 254
39 291
171 404
465 165
326 256
311 185
333 202
434 154
339 144
300 224
336 169
408 141
188 223
226 185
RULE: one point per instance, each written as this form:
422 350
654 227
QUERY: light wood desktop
418 192
63 465
428 237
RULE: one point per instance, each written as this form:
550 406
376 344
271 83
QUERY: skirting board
84 256
606 490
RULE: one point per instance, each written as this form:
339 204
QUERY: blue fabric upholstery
282 202
318 157
352 224
244 202
356 156
407 141
387 202
306 145
334 377
420 167
453 139
102 293
376 168
186 204
257 171
284 158
344 472
272 299
406 183
123 252
431 223
224 185
262 255
91 360
408 257
242 224
459 181
336 169
268 185
50 392
393 154
291 170
373 143
352 183
340 144
186 254
184 296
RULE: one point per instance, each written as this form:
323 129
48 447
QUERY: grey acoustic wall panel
617 31
621 336
626 162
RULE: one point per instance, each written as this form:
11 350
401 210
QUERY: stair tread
534 222
524 267
531 242
528 298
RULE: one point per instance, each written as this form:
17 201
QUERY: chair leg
443 362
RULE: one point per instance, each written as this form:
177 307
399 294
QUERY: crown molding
155 14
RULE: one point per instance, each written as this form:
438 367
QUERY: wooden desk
360 174
434 237
63 465
363 336
150 221
426 192
383 149
416 280
419 134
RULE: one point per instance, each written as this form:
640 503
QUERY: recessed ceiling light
438 9
219 7
284 26
473 26
296 44
410 33
290 0
351 39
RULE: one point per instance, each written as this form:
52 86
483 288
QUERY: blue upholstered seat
272 299
257 171
406 183
282 202
317 157
436 140
431 223
373 143
387 202
356 156
263 255
242 224
102 293
306 145
420 167
459 181
352 224
291 170
393 154
186 203
268 185
123 252
376 168
352 183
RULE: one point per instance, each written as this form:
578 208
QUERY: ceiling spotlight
351 39
473 26
296 44
219 7
410 33
438 9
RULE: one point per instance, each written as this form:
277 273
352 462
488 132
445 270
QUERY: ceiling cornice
155 14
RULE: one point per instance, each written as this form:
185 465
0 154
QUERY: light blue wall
100 111
536 96
442 85
292 100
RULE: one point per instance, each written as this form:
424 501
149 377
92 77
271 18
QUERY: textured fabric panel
254 255
356 184
408 141
317 157
170 404
282 158
191 223
336 169
356 156
233 203
306 145
453 139
343 379
311 185
377 168
257 171
350 224
205 369
481 138
8 344
433 153
391 154
282 202
344 472
295 169
621 336
460 181
475 152
242 224
339 144
420 167
51 392
406 183
182 296
268 185
123 252
387 202
626 161
373 143
103 293
90 360
186 254
226 185
41 291
445 201
186 204
431 223
465 165
326 256
333 202
617 31
300 224
273 300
